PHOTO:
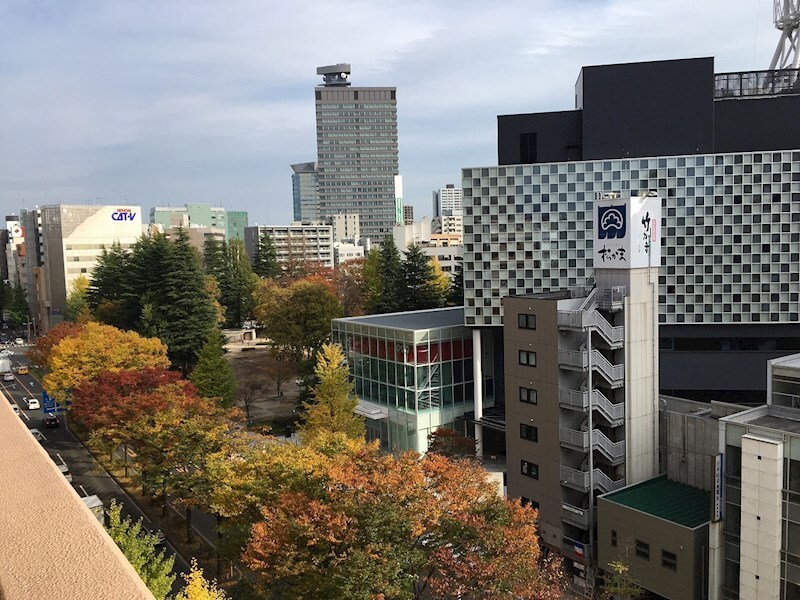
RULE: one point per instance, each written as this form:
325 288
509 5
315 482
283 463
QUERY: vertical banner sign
626 232
48 403
718 486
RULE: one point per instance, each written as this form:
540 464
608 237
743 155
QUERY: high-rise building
305 199
63 243
346 227
448 201
202 215
721 150
357 159
295 244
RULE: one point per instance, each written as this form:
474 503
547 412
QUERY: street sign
49 404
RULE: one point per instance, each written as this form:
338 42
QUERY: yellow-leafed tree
198 587
97 347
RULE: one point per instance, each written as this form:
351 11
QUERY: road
88 477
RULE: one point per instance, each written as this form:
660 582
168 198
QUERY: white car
37 434
19 341
15 408
8 376
4 353
33 403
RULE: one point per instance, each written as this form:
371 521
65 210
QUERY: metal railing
613 451
579 480
575 515
613 413
749 84
591 319
612 298
615 374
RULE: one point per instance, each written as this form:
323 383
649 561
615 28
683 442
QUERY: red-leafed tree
40 353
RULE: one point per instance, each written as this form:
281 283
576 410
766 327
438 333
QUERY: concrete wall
544 415
687 582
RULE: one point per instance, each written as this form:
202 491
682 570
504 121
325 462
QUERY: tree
299 322
139 547
97 347
198 587
441 281
248 392
239 284
213 375
43 348
451 443
619 584
456 296
109 282
188 311
265 258
278 371
351 287
344 520
332 409
19 312
421 290
144 294
77 301
390 273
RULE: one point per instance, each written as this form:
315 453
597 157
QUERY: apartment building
295 243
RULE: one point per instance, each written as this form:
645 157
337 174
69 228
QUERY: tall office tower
357 151
448 201
305 198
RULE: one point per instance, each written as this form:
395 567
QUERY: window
529 469
528 502
528 432
527 358
528 395
526 321
642 550
669 560
613 538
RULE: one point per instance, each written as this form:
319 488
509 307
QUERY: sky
162 103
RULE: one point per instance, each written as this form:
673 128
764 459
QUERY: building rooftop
52 545
666 499
788 362
769 416
414 320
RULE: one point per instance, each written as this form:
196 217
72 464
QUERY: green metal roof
666 499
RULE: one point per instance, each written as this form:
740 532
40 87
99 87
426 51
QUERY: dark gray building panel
539 137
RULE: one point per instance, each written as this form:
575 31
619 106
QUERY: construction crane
786 15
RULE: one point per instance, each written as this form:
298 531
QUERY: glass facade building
413 373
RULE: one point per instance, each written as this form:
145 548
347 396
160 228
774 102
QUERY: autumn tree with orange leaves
41 351
361 524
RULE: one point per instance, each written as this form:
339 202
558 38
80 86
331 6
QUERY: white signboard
626 232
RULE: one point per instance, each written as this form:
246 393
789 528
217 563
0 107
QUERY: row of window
669 560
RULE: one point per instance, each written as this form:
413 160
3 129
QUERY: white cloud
208 101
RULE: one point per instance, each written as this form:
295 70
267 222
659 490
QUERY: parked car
33 403
19 341
50 421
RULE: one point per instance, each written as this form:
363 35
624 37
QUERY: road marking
83 489
23 413
63 462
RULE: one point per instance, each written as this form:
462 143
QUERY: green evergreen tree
213 375
108 284
456 296
139 547
265 258
391 277
237 295
19 312
144 292
188 311
372 281
420 291
77 305
331 410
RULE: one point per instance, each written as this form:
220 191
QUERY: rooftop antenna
786 15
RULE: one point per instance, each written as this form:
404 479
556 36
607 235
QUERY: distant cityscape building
448 201
305 198
295 243
344 252
204 215
62 242
346 227
412 233
449 225
357 157
408 215
197 234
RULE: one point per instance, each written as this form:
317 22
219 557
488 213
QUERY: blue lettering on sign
123 216
611 222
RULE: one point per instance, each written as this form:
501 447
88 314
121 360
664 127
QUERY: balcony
579 359
579 480
754 84
579 400
579 517
614 452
